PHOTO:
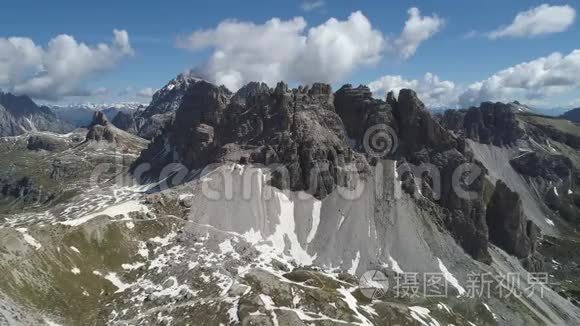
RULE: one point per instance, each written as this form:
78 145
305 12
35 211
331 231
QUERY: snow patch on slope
395 265
117 282
29 239
422 315
114 210
286 229
315 220
355 263
450 278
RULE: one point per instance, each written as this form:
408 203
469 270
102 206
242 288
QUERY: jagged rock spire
100 129
99 118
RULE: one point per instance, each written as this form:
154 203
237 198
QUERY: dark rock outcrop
160 113
125 121
553 168
8 125
315 134
453 120
23 191
555 178
360 111
424 142
46 142
421 140
463 201
20 105
417 128
509 229
101 129
492 123
297 128
543 131
248 91
572 115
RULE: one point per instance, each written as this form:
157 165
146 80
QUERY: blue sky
459 51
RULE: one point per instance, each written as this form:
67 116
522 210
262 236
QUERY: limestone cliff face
425 142
360 111
315 134
490 123
126 121
508 227
298 128
418 129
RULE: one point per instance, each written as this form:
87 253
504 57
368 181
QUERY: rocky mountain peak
508 226
101 129
99 118
318 89
359 111
417 127
19 114
307 129
281 88
166 98
149 122
249 90
297 127
490 123
18 105
362 91
125 121
391 99
203 102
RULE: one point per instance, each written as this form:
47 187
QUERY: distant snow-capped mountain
99 106
81 114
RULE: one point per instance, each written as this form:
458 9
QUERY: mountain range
81 115
19 114
288 206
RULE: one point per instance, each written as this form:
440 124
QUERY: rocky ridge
149 121
572 115
310 129
490 123
80 115
19 114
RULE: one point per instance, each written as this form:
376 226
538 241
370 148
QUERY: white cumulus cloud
544 19
433 91
60 68
417 30
288 50
552 75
